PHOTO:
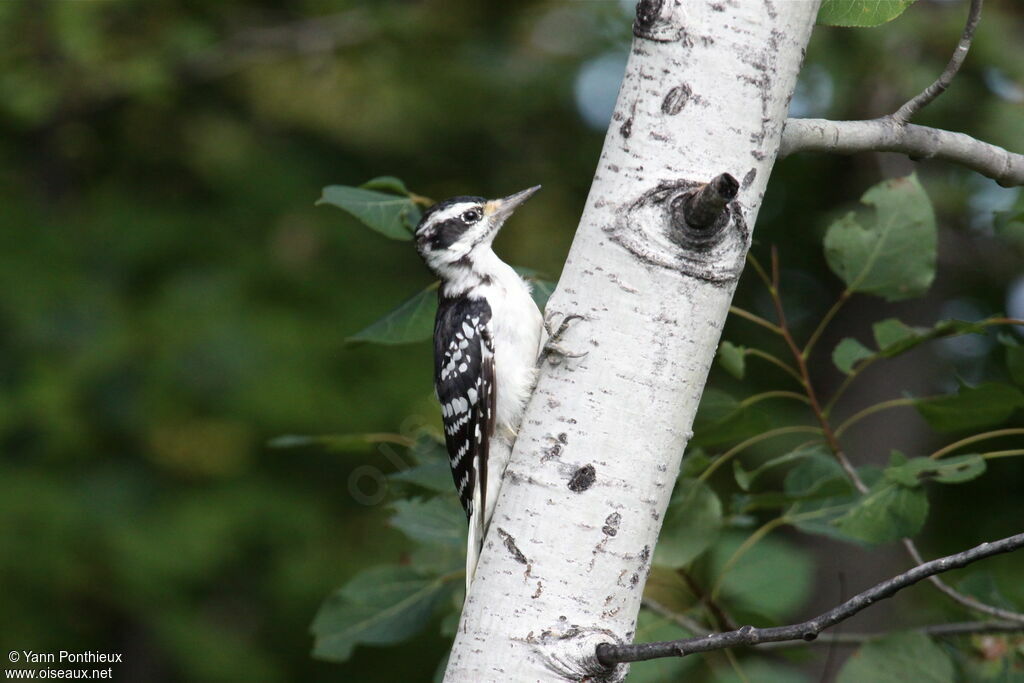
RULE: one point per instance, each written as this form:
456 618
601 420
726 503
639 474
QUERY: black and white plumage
464 380
487 336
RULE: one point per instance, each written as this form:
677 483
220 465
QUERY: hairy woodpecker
487 337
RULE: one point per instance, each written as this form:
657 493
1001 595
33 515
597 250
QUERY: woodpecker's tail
499 451
475 538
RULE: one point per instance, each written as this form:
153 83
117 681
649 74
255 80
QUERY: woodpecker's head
453 231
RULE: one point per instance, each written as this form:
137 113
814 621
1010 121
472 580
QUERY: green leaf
901 472
848 353
860 13
715 405
380 606
391 215
412 321
972 408
954 470
888 512
773 578
958 469
695 461
432 470
439 558
692 523
894 255
386 183
894 337
732 358
745 478
815 475
721 419
898 658
891 334
820 492
438 520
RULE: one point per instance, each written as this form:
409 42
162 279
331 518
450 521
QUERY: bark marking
582 479
513 549
611 524
676 99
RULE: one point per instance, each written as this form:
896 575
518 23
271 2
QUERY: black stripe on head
447 203
431 235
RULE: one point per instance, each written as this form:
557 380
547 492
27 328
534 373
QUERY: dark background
170 298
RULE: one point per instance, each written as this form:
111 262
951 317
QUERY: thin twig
809 346
960 598
1013 452
759 269
754 318
966 628
764 355
871 410
757 438
984 436
610 654
805 378
845 384
864 364
925 97
764 396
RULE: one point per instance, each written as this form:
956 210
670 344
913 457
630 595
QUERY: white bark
568 551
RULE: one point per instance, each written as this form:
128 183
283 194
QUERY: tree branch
893 133
610 654
923 99
965 628
917 142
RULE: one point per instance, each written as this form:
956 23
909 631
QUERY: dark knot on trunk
699 216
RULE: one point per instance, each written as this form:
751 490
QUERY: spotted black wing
464 378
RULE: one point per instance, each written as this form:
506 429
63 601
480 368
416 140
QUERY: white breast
516 325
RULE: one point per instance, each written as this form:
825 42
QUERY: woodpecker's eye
471 216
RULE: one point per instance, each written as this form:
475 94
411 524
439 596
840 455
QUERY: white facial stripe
453 211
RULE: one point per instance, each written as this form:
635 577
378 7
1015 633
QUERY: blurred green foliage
171 298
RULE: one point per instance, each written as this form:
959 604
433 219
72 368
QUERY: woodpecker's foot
553 351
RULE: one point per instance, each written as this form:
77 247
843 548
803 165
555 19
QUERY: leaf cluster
793 470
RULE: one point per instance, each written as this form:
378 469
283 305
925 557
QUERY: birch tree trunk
563 568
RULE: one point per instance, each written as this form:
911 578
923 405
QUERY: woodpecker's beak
500 209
